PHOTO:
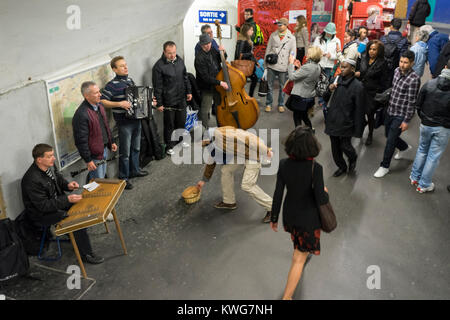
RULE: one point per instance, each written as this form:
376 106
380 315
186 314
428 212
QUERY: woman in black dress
373 73
244 51
300 208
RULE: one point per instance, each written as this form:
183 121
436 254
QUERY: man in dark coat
43 194
346 116
207 65
419 12
172 89
444 56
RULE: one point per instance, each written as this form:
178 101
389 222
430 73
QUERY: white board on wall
224 28
64 97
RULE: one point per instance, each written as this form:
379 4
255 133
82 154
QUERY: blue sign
210 16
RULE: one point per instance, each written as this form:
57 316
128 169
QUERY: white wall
191 20
36 42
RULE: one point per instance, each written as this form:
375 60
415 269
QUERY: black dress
300 207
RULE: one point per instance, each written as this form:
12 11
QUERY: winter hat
330 28
205 39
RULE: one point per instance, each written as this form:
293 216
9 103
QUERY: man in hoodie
172 89
433 105
436 43
419 12
346 116
281 43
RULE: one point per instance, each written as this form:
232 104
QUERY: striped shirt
402 102
115 91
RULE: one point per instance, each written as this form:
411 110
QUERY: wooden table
92 210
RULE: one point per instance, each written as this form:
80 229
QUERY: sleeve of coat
278 195
360 111
269 47
320 194
298 74
158 85
38 198
187 83
80 126
421 98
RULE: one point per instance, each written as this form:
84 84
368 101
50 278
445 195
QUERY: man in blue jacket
435 42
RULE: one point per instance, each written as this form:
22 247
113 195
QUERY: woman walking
305 79
301 37
373 74
244 51
300 208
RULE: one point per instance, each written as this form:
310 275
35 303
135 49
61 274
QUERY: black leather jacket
433 103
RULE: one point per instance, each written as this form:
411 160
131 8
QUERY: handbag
263 88
288 86
273 57
326 212
246 66
383 97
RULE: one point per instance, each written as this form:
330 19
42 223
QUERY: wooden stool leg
119 231
77 253
106 227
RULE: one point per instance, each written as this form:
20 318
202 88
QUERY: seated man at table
45 200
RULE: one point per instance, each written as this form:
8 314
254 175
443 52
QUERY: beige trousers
251 173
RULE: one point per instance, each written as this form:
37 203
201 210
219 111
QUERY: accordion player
140 98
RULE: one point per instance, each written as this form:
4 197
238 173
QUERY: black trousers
253 84
81 236
300 116
173 119
339 146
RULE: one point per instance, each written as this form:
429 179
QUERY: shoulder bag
327 216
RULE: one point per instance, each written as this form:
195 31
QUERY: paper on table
91 186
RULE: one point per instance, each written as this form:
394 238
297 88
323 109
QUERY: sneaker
423 190
222 205
170 152
400 154
268 108
381 172
185 145
129 186
413 182
281 109
266 219
110 217
92 258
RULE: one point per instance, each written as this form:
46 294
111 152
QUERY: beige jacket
301 38
275 46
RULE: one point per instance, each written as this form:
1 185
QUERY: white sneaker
185 145
400 154
110 217
170 152
381 172
423 190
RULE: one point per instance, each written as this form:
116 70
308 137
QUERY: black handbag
273 57
263 88
383 97
327 216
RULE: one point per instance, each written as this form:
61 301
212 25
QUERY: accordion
140 98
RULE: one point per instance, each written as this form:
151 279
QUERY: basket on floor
191 194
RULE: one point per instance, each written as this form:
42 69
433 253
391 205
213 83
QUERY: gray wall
39 43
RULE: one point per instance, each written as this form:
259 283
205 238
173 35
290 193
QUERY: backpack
259 36
322 84
13 258
392 53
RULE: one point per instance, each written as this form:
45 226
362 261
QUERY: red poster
266 12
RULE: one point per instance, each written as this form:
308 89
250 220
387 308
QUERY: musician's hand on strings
160 109
74 198
189 97
91 166
114 147
73 185
125 104
221 48
224 85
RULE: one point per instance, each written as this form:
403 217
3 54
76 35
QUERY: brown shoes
281 109
222 205
266 219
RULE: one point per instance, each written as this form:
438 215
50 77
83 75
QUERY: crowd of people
354 80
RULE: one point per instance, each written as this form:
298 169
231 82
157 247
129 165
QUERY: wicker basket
191 194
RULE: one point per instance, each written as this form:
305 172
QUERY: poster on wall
321 15
267 12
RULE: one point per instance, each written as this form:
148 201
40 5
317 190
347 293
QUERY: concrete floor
179 251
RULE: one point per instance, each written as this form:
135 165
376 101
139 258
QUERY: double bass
237 108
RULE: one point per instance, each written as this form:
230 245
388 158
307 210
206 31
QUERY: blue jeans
392 133
129 147
282 77
322 102
100 172
433 141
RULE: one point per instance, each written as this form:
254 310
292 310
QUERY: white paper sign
225 29
293 14
91 186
